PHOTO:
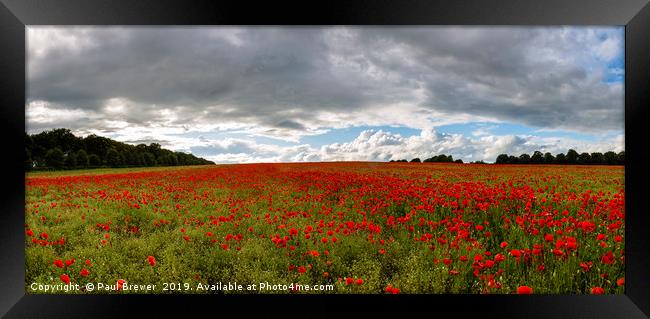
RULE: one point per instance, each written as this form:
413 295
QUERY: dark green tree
537 158
54 158
149 159
597 158
113 158
502 159
548 158
94 160
572 157
584 158
71 160
416 160
621 158
560 158
97 145
82 158
610 158
173 160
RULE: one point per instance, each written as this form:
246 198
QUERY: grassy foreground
359 227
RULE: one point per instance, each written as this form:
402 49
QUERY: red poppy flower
515 253
608 258
620 281
65 278
504 244
597 291
302 269
58 263
151 260
84 272
29 233
392 290
382 251
120 283
524 290
349 281
359 281
88 262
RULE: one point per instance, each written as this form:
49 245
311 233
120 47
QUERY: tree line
60 149
571 157
442 158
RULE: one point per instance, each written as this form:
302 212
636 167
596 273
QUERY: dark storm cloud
284 78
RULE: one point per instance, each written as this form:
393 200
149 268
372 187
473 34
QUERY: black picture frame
16 14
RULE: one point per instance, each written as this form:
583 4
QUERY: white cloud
169 85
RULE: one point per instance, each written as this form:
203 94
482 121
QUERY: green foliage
54 158
82 159
442 158
71 160
572 157
94 160
113 158
96 151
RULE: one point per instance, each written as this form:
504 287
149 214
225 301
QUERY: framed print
367 155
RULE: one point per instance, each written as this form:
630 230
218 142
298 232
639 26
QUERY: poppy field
357 227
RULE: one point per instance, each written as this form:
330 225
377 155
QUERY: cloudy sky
262 94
